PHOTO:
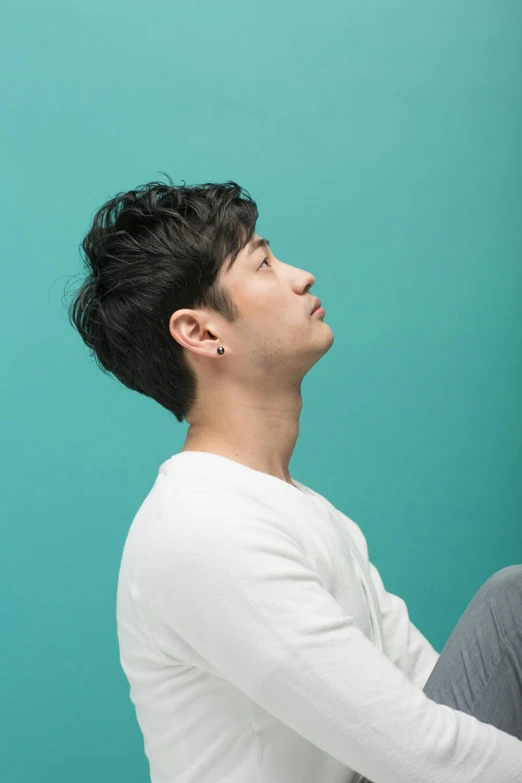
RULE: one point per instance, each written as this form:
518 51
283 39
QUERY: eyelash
266 259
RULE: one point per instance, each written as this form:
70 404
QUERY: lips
317 305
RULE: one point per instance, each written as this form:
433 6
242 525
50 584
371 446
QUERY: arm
238 588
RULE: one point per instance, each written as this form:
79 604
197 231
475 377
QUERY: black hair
148 253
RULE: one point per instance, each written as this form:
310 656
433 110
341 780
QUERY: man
258 639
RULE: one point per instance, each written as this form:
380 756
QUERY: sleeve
405 645
240 590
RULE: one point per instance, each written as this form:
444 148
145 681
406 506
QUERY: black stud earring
221 349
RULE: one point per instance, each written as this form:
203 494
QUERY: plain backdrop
382 143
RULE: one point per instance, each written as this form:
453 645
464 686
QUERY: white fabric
261 645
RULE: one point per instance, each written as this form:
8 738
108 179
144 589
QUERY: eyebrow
252 247
260 242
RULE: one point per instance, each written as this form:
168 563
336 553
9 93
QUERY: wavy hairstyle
148 253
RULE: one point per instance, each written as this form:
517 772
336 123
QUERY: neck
262 437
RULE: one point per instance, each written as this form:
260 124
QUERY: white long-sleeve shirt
261 645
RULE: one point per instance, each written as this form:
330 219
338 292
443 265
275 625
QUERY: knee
506 578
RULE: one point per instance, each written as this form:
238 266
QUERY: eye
266 259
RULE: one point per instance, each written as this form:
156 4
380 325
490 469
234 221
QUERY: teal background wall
381 141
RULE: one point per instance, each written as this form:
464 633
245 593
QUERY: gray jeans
480 668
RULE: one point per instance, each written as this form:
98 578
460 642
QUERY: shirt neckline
242 470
